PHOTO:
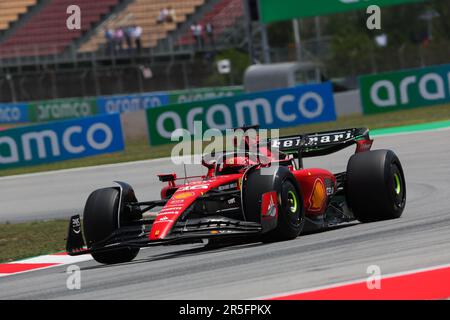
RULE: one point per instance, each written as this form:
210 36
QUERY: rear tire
100 220
376 187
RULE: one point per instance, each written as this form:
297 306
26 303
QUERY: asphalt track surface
419 239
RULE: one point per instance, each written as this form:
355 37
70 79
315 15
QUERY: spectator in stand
128 37
162 17
119 37
136 36
197 33
209 28
109 36
171 15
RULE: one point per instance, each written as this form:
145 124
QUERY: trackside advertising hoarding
52 110
13 113
192 95
131 103
58 141
270 109
75 108
275 10
405 89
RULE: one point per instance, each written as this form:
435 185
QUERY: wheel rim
397 184
292 202
398 187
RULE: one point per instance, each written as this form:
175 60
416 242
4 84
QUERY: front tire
291 216
376 187
101 219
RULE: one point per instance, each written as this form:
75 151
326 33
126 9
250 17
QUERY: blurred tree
280 34
442 24
408 39
352 49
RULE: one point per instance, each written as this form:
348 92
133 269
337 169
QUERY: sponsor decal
405 89
197 182
319 139
195 187
318 196
314 140
183 195
329 185
287 143
162 212
269 205
233 185
13 113
172 201
76 225
60 141
169 207
163 219
270 109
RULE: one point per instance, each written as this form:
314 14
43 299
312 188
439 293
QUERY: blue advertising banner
270 109
13 113
58 141
130 103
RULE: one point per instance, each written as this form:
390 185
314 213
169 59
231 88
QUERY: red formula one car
242 196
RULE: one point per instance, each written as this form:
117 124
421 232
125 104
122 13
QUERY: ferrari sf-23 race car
271 200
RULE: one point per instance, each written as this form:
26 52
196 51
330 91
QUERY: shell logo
183 195
318 196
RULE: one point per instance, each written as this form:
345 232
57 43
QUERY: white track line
56 259
341 284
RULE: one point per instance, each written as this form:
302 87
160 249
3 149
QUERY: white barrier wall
348 103
134 125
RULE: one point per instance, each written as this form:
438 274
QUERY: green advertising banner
51 110
183 96
275 10
405 89
278 108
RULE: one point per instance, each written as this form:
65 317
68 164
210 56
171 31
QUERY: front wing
138 236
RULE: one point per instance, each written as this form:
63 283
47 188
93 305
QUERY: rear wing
323 143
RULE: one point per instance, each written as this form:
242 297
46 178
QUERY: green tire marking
398 185
294 198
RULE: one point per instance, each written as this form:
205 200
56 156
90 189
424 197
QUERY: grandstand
11 10
45 32
40 58
144 13
32 28
223 15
